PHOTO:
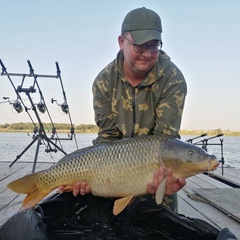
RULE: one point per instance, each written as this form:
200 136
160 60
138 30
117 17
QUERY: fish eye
190 153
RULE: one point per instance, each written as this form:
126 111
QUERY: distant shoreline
93 129
182 132
210 132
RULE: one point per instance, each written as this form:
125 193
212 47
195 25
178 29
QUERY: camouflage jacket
154 106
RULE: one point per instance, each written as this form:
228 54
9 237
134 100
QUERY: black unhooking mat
63 217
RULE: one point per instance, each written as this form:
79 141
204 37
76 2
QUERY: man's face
140 63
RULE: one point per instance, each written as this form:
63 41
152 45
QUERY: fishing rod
39 134
205 141
64 105
42 107
17 105
190 140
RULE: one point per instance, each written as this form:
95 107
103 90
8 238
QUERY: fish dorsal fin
121 203
161 191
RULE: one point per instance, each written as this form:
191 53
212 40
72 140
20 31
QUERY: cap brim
141 36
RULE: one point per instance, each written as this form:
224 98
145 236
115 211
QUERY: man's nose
147 52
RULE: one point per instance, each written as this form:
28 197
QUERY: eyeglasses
154 49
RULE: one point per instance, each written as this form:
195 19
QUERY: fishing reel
64 106
16 104
41 106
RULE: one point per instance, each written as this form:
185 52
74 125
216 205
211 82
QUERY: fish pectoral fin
65 189
121 203
161 191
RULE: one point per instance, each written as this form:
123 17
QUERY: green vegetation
60 127
92 128
210 132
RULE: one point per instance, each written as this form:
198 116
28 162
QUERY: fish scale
106 168
120 169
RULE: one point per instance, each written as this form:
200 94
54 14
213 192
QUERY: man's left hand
173 185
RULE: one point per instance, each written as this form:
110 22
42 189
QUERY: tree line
92 128
60 127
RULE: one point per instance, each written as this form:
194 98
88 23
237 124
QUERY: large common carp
120 169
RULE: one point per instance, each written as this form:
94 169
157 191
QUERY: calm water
13 144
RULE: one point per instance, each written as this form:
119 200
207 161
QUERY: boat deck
203 197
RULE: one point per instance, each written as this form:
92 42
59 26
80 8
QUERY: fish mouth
213 164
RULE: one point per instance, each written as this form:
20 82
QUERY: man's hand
81 188
173 185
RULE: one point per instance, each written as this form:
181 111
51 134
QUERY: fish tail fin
32 199
27 185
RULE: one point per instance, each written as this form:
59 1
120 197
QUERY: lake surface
13 144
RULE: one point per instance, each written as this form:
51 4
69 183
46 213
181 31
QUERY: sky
201 37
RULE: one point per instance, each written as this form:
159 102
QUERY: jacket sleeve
103 111
170 106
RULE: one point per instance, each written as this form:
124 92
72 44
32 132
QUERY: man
141 92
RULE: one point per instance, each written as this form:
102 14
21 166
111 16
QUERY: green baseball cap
143 24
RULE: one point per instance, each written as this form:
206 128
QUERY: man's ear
121 42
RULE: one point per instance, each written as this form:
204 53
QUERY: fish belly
111 170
